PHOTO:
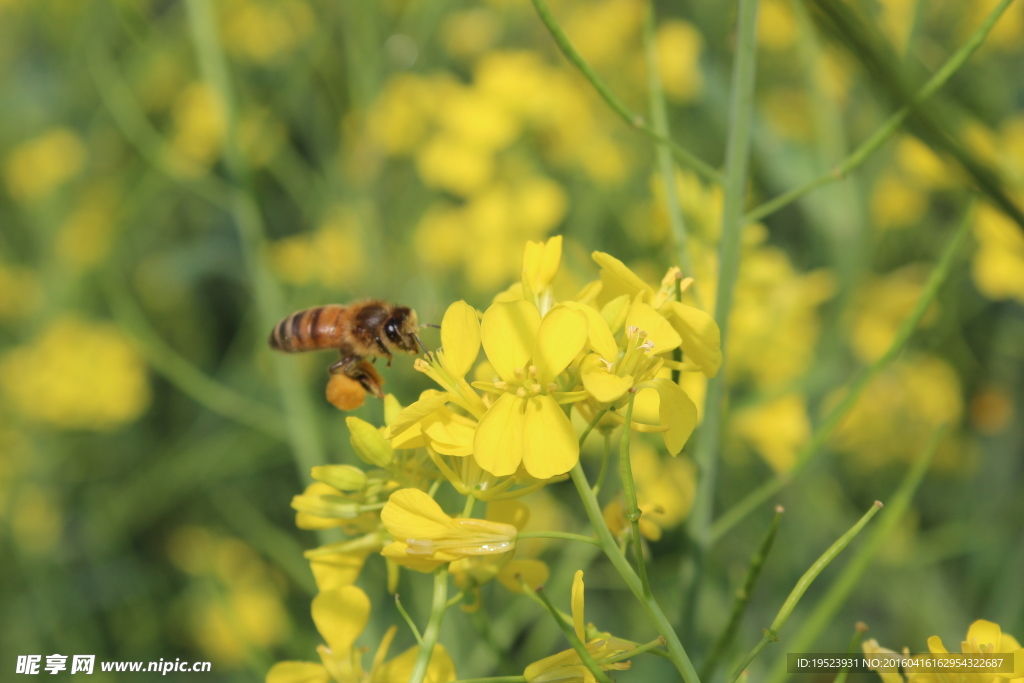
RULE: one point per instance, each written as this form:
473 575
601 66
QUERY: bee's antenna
422 346
436 327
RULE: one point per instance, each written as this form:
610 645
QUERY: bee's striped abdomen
310 330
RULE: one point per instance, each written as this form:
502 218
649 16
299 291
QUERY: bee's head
400 329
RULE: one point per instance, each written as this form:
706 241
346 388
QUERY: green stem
771 634
739 606
632 119
737 159
565 536
825 610
574 640
858 634
629 493
437 609
647 647
938 276
467 509
605 457
667 169
675 648
891 124
299 410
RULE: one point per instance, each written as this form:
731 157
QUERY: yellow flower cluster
983 637
77 374
501 437
37 167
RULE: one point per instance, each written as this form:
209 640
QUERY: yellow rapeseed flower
426 537
998 264
340 616
566 666
36 168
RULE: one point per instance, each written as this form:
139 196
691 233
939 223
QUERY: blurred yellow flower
776 25
924 166
470 32
37 520
84 239
998 264
77 374
448 162
884 302
20 293
679 44
606 31
341 615
898 411
897 21
263 31
36 167
897 203
199 127
665 489
776 429
332 256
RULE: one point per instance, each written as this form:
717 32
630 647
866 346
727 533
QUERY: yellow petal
340 616
460 338
449 432
599 336
985 634
440 670
578 622
498 442
614 313
936 647
534 572
429 401
297 672
676 411
549 442
411 513
602 384
335 571
561 336
658 329
540 264
398 553
508 332
619 279
700 337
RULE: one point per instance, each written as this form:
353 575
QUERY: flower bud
341 477
337 507
368 443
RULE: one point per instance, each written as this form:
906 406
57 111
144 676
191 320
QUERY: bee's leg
344 366
384 350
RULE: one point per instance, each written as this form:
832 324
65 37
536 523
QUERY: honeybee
366 329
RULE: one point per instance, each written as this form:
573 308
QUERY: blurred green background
152 230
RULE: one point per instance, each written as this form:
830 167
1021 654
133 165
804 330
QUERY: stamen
532 370
518 372
521 392
501 385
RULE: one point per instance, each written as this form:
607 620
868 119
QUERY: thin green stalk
647 647
605 457
675 648
826 608
935 280
299 410
577 644
629 494
667 169
437 608
408 620
739 606
891 124
741 112
858 634
207 392
559 534
593 423
632 119
771 634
